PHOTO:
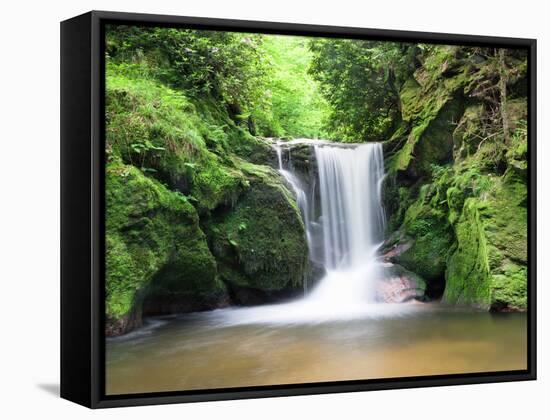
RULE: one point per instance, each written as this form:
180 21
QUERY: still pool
250 346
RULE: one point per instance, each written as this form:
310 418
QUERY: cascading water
349 224
301 197
353 222
352 212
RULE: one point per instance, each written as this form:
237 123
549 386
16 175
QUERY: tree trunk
503 99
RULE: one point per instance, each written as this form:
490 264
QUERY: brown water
226 348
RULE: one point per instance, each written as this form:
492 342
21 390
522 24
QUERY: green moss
490 262
509 289
458 188
215 184
150 229
400 160
408 96
430 235
261 241
468 276
184 143
467 135
505 216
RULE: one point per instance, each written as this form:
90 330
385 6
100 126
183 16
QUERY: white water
353 222
301 197
352 226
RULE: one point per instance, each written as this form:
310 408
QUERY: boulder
399 285
260 242
154 246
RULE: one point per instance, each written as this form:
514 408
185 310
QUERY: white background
29 208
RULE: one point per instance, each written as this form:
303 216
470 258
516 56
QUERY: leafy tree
297 105
361 81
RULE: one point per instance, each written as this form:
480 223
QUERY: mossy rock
428 253
429 236
455 191
468 275
409 99
260 243
467 135
429 142
432 102
489 266
151 232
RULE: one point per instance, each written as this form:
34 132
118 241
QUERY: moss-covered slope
177 164
456 187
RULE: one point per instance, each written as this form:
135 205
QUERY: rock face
149 232
260 243
456 194
489 266
177 170
423 241
159 260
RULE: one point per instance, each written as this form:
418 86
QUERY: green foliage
182 143
261 81
298 108
361 81
518 147
432 237
227 66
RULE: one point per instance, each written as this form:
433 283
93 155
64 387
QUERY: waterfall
339 197
352 213
353 221
301 197
350 217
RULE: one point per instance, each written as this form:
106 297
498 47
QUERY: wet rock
399 285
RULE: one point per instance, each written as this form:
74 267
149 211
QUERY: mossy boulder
429 249
151 233
489 266
260 242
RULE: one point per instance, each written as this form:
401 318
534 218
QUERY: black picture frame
82 210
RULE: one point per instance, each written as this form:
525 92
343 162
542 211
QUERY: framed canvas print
255 209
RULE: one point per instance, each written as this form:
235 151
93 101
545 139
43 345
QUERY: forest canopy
276 86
